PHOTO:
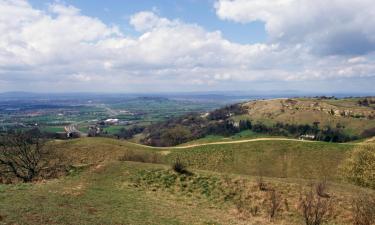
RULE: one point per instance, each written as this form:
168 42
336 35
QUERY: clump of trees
366 102
175 131
359 168
368 133
226 112
22 155
130 132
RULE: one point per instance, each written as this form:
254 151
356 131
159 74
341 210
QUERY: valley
261 171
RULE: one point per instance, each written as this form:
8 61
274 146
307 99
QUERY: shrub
262 185
274 204
314 209
144 157
179 167
321 189
364 210
359 168
246 208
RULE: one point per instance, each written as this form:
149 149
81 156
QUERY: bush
261 184
144 157
359 168
314 208
274 204
179 167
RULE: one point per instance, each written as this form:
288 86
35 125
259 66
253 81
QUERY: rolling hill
322 119
102 188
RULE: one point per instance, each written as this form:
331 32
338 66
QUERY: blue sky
187 45
200 12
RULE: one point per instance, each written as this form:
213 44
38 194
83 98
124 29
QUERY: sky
187 45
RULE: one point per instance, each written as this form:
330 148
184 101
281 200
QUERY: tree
176 135
359 167
22 155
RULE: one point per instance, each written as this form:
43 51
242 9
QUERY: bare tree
21 155
315 209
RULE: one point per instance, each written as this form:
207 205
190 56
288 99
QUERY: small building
111 121
307 137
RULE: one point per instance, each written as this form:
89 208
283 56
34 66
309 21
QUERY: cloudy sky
187 45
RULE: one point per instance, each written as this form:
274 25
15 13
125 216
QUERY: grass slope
268 158
99 196
112 192
136 193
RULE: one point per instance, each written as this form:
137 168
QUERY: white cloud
146 20
326 27
60 48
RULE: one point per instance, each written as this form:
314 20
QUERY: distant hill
352 115
322 118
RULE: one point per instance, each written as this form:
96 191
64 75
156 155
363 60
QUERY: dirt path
226 142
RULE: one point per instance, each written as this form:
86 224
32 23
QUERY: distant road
230 142
110 111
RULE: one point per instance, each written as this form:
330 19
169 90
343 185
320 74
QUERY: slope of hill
330 120
344 113
110 190
273 157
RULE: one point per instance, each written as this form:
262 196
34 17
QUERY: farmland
52 114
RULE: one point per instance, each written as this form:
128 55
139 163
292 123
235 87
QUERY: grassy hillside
95 150
271 158
219 191
268 158
351 116
100 196
136 193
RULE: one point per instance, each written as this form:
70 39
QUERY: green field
53 129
